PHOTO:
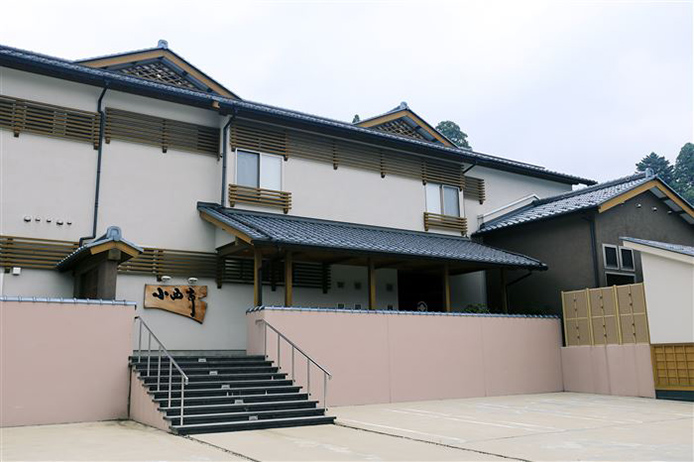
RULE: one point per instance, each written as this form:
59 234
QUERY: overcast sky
580 87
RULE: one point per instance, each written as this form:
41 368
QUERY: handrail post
265 340
325 390
182 392
308 376
139 343
293 376
149 350
170 380
279 357
159 368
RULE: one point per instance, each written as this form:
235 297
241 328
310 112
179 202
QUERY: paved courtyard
557 426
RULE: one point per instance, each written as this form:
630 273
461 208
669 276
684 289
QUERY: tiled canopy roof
678 248
336 235
569 202
61 68
113 234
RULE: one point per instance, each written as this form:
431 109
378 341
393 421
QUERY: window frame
621 261
260 166
442 205
604 257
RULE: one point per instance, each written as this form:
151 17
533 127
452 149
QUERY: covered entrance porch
394 269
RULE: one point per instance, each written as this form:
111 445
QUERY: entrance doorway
419 291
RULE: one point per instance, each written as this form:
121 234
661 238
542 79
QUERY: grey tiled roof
311 232
62 68
113 234
570 202
678 248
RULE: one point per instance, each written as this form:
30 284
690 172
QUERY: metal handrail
172 362
309 360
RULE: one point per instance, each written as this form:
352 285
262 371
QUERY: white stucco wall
152 196
669 285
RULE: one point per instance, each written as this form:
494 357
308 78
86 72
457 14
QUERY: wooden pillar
446 289
504 294
257 277
372 284
288 279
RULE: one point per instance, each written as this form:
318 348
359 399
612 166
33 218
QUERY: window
610 254
626 257
615 279
259 170
442 199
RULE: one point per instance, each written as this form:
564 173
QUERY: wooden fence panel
605 316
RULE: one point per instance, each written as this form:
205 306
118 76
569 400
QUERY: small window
259 170
442 199
610 254
627 259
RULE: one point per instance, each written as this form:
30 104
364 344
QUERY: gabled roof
602 196
275 229
112 239
159 64
677 248
403 121
63 69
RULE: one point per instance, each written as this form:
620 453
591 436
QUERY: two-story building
260 204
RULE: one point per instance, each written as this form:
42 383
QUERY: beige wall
623 370
378 357
669 284
63 362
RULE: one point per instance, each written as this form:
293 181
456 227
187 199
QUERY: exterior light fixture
192 281
165 278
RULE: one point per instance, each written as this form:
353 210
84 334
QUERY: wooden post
288 279
504 294
372 284
257 277
446 289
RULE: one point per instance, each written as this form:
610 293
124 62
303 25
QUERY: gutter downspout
506 293
102 128
225 136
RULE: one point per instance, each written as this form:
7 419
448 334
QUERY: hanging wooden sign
183 300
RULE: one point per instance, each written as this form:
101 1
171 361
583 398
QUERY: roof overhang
662 191
123 250
657 249
411 119
349 243
62 69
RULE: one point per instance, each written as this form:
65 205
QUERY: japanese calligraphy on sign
183 300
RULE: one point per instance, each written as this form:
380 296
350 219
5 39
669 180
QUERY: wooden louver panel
474 188
26 252
245 195
183 263
160 132
305 274
253 138
20 115
434 220
262 138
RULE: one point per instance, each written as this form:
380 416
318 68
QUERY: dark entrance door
416 287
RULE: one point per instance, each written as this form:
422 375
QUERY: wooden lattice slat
160 132
25 116
474 188
292 143
246 195
435 220
673 366
33 253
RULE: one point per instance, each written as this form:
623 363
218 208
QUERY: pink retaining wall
378 357
63 362
624 370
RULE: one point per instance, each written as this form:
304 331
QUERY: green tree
452 131
684 172
659 164
356 119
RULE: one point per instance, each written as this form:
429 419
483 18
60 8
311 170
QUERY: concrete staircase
227 393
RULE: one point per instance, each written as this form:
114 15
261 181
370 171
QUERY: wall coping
73 301
401 313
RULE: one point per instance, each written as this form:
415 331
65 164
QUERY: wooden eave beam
129 250
233 231
234 248
133 58
641 189
405 113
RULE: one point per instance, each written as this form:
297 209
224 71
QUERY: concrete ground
557 426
